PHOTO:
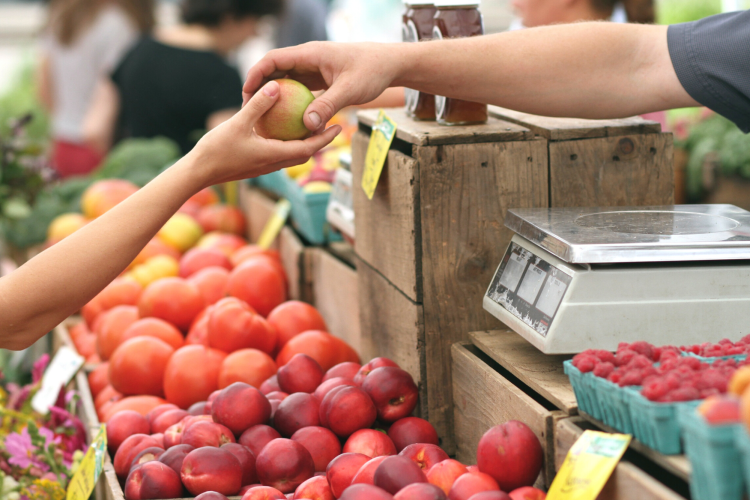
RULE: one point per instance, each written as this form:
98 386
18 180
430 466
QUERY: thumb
322 109
260 102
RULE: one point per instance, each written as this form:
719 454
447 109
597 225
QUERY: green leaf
16 208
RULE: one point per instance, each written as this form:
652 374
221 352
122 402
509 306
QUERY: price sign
275 223
340 211
60 371
82 484
589 463
382 136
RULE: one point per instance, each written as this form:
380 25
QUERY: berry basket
587 396
274 182
715 457
656 424
736 357
615 403
742 439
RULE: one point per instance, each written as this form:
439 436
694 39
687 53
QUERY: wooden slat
335 295
292 252
627 482
541 372
432 134
484 398
561 129
258 208
392 326
633 170
465 192
388 238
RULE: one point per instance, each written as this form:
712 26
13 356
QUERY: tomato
292 318
244 253
140 404
234 325
212 283
111 328
250 366
174 300
91 311
323 347
152 249
99 379
137 366
106 395
258 282
79 330
86 345
192 374
154 327
198 333
200 258
206 196
121 292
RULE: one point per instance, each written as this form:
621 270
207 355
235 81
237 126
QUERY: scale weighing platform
589 278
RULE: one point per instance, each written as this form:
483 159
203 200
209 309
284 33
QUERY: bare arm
219 117
44 84
586 70
56 283
101 118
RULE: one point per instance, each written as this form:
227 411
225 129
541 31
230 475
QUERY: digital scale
589 278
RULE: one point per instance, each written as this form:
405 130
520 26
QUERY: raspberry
605 356
726 341
708 392
585 362
732 351
690 363
644 348
682 394
615 376
639 361
631 378
623 357
604 369
653 390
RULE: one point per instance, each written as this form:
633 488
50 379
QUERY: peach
63 226
240 406
224 218
151 454
720 409
395 473
740 381
235 325
365 492
372 365
527 493
257 437
346 370
511 454
411 430
322 444
490 495
295 412
123 425
301 374
393 391
284 120
246 459
420 491
366 474
444 474
370 442
315 488
173 435
197 259
329 384
281 396
202 434
159 437
211 495
103 195
284 464
346 410
198 408
271 384
470 484
167 419
473 469
174 456
263 493
153 480
342 470
127 451
211 283
211 469
424 455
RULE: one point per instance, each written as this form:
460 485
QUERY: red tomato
292 318
140 404
192 374
234 325
110 329
212 283
99 379
323 347
137 366
258 282
250 366
174 300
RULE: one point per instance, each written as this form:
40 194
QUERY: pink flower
37 371
22 452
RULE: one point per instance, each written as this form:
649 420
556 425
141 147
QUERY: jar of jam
418 21
458 19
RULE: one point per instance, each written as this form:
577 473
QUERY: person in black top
177 84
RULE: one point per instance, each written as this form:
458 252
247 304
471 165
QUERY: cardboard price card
60 371
82 484
382 136
588 466
274 224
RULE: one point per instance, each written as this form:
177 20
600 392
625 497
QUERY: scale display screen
529 288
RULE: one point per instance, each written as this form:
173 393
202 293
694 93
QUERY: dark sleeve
712 60
224 90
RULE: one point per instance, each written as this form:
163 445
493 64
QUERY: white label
551 296
531 284
60 371
513 272
340 212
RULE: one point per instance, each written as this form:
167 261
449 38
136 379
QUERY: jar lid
456 3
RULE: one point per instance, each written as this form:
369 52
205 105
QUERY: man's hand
350 74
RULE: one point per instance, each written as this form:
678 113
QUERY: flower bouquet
38 453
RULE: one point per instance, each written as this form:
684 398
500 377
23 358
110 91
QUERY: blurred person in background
83 40
178 83
303 21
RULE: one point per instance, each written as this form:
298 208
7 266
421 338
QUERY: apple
211 495
365 492
421 491
284 464
198 408
202 434
315 488
411 430
393 391
295 412
301 374
239 407
347 370
326 386
151 454
346 410
271 384
470 484
342 470
395 473
257 437
124 424
424 455
284 120
322 444
511 454
370 442
444 474
152 480
527 493
174 456
490 495
167 419
128 450
366 474
374 363
262 493
211 469
246 459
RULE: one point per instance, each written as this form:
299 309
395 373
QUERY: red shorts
70 159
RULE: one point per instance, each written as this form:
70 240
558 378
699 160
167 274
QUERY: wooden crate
433 234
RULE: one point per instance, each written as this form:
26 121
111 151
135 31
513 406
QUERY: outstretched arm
585 70
56 283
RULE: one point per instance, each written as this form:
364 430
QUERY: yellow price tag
589 463
82 484
382 136
275 223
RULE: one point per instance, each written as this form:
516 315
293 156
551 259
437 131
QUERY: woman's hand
351 73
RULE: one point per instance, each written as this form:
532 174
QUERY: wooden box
433 234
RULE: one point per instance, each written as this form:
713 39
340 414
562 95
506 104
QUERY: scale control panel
529 288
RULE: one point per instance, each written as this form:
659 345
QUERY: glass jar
458 19
418 22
